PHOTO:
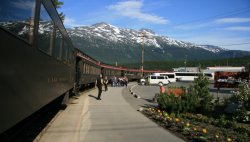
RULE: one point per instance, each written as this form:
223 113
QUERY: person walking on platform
162 91
106 81
126 81
98 84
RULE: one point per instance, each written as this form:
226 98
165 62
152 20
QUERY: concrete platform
111 119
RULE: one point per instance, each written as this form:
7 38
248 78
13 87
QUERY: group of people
121 81
114 81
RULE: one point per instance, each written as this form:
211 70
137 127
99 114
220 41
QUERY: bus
191 76
170 75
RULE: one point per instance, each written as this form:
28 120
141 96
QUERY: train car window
71 56
17 16
87 69
90 69
45 32
58 45
96 70
84 66
65 52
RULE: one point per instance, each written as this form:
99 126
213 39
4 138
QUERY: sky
223 23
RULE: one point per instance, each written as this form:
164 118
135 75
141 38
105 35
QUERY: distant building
186 69
226 69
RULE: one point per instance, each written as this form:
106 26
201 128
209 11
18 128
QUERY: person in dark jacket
106 81
98 84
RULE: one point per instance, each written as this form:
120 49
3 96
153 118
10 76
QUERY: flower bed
176 91
196 127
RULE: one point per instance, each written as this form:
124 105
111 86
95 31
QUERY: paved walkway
111 119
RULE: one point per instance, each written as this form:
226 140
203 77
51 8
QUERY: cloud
133 9
192 27
70 22
24 4
238 28
232 20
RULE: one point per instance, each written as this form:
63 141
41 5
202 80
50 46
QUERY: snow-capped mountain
109 43
123 35
212 48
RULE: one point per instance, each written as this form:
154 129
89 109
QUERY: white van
171 75
154 79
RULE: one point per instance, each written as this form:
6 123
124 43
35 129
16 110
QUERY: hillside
109 44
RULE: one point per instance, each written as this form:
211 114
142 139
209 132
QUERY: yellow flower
159 111
177 120
204 131
166 114
217 136
195 128
229 139
187 124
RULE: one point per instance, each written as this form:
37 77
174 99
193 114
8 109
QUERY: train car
39 63
111 71
133 74
36 58
87 69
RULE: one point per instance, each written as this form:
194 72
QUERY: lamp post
185 62
142 52
248 67
248 71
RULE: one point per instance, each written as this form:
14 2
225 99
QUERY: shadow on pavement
92 96
149 105
148 100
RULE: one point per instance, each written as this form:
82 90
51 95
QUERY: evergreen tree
58 4
202 90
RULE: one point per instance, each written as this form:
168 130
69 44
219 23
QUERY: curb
132 93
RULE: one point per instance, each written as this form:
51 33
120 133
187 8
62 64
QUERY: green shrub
242 98
194 99
202 91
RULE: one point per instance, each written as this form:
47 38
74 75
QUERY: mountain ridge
116 34
109 43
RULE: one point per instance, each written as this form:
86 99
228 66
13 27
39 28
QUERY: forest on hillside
169 65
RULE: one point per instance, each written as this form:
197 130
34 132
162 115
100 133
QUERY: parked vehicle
160 80
191 76
229 79
142 81
171 75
